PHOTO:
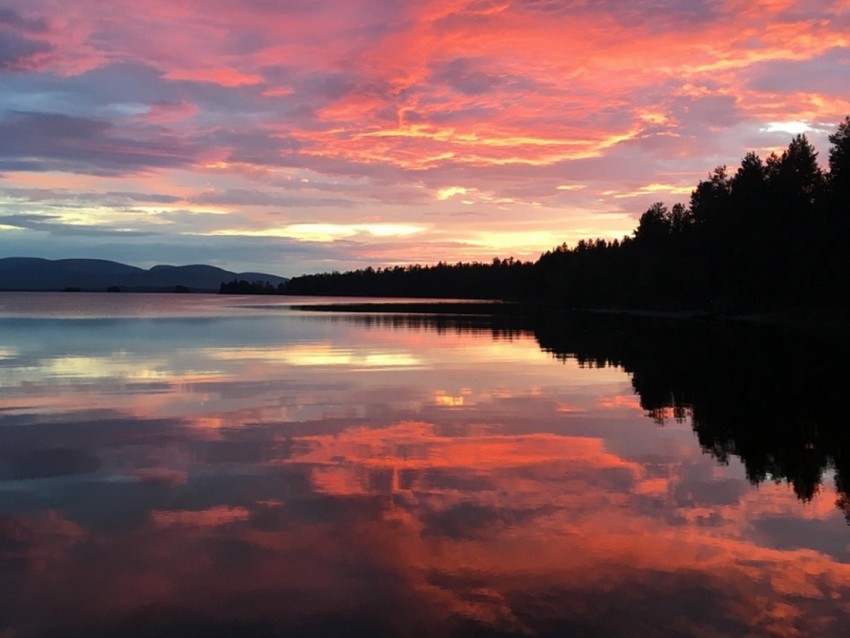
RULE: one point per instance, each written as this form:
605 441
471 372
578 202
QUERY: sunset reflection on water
280 474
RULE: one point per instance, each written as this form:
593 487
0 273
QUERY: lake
191 465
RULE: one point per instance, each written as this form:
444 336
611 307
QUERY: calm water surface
175 465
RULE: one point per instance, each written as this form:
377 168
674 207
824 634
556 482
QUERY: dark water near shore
197 465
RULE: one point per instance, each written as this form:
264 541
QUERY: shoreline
828 323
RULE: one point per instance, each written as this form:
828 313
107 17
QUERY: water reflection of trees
772 398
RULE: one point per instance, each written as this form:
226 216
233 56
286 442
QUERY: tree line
245 287
772 233
502 278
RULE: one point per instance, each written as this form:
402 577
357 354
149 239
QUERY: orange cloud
170 112
212 517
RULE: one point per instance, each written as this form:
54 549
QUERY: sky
298 136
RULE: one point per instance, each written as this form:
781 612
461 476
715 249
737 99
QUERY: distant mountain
29 273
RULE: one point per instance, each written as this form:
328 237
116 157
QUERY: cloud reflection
319 354
305 489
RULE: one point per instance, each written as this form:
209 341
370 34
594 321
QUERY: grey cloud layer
54 141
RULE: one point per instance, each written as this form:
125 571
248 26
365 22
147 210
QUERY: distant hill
29 273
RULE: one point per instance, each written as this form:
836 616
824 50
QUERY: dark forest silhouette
500 279
245 287
774 233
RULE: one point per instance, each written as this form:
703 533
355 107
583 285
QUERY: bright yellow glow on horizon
327 232
792 128
447 193
523 241
649 189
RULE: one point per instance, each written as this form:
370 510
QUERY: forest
772 233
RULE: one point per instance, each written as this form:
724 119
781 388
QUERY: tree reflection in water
774 398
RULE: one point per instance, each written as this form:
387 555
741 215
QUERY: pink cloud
164 112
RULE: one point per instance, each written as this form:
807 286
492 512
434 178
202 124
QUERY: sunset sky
298 136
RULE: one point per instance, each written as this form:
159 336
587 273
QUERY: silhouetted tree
243 287
839 166
709 200
654 225
797 179
749 186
